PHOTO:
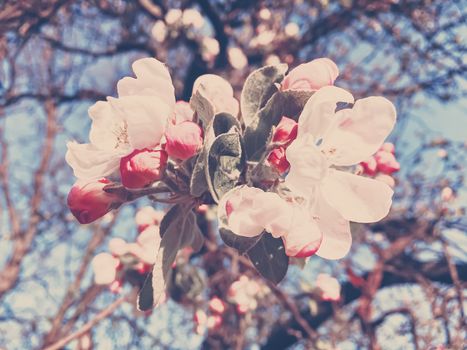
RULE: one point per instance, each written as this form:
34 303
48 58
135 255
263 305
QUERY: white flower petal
319 111
307 165
357 198
89 162
304 237
359 132
105 125
274 213
152 78
247 211
235 211
337 238
145 118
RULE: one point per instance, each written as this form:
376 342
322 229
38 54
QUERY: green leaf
242 244
198 182
197 241
145 297
176 233
282 103
226 162
258 88
202 106
269 258
221 123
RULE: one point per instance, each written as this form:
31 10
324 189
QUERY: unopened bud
311 76
142 167
88 201
277 158
183 140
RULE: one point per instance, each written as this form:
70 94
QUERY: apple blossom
159 31
328 139
210 48
116 286
213 321
104 266
142 167
447 194
217 305
147 244
173 16
192 17
135 120
291 29
118 247
218 91
237 58
311 76
183 140
243 293
148 216
88 201
329 286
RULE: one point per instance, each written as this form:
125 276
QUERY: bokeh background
403 283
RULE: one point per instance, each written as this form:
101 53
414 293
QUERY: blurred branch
88 326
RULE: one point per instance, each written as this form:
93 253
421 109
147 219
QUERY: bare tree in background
403 283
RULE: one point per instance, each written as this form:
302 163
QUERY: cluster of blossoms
329 287
133 137
244 293
312 214
204 321
281 165
191 23
111 268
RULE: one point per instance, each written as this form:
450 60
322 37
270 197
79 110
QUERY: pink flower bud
387 163
118 246
142 167
183 140
104 266
329 286
311 76
370 166
116 287
388 147
277 158
213 322
88 201
200 317
217 305
447 194
286 131
148 216
182 112
143 268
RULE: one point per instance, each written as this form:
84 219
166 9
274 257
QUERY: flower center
121 133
